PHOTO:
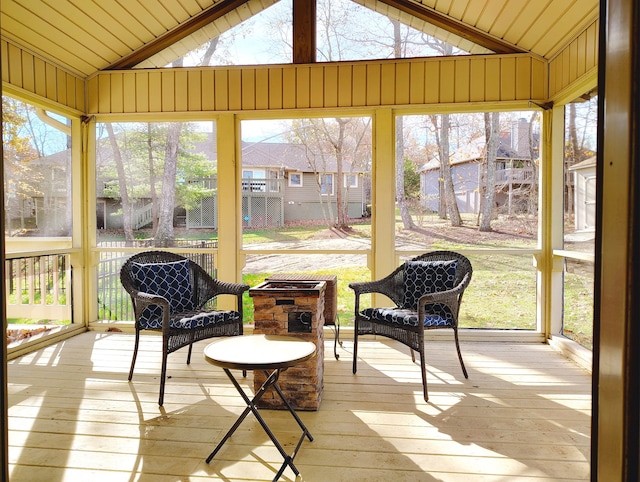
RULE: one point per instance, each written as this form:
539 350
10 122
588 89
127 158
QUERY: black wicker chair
168 292
427 291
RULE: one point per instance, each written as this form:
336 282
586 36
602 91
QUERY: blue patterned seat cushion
169 280
437 316
423 277
202 319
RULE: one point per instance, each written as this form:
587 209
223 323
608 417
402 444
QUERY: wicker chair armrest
227 288
438 295
363 287
142 300
451 297
446 297
208 288
382 286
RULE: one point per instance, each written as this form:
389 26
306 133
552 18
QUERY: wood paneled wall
444 80
28 72
578 59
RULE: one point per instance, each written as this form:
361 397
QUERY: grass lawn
502 293
508 283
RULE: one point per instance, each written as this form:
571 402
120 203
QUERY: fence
39 288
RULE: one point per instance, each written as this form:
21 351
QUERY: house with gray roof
515 175
281 183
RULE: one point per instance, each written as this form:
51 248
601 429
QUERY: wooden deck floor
523 414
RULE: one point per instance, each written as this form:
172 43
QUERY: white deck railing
39 287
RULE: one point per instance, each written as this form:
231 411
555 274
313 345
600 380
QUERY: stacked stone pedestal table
294 308
330 299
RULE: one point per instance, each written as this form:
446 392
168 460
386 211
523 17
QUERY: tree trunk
447 178
211 48
532 207
164 235
442 205
122 183
401 198
492 127
152 182
341 207
571 159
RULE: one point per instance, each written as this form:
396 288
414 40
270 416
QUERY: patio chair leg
455 336
355 349
163 373
189 355
135 354
163 377
423 369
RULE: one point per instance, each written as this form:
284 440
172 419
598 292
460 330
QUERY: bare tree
209 51
532 206
492 129
164 235
337 143
127 208
575 153
447 204
401 199
152 179
21 182
328 141
581 116
572 156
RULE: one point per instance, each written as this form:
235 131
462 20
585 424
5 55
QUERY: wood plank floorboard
523 414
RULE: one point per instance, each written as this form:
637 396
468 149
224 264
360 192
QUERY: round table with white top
272 354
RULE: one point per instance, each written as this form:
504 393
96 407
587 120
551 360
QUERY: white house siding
585 194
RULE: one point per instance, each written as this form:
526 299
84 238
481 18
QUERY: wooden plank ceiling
86 36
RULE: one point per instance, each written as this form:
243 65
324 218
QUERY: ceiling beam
172 36
454 26
304 31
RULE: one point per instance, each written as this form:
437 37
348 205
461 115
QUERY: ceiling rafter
454 26
304 31
172 36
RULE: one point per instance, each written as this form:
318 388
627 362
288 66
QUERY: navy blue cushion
169 280
201 319
437 315
423 277
392 315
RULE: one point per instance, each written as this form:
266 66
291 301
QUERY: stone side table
293 308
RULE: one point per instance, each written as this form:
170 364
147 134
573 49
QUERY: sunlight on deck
523 414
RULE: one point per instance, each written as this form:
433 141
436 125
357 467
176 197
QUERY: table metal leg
336 339
271 381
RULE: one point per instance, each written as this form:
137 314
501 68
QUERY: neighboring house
584 178
279 184
49 210
515 173
308 186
